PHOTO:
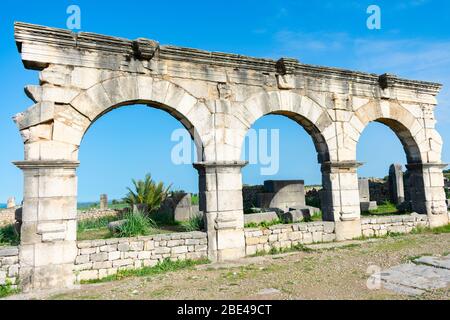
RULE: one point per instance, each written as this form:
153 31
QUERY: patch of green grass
195 199
99 223
387 208
264 224
7 290
164 266
437 230
316 217
136 224
95 234
9 236
194 224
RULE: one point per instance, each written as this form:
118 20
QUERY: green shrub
9 235
136 224
194 224
7 290
195 200
147 193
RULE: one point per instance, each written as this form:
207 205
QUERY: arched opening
387 182
282 182
127 142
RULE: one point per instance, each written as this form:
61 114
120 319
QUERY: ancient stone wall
7 216
286 236
97 259
381 226
9 266
97 213
379 191
249 195
217 97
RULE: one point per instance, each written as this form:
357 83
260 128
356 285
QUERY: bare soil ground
323 273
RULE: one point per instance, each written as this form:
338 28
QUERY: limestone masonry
217 97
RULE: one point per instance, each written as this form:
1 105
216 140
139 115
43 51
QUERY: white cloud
421 59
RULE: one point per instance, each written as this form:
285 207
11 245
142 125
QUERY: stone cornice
426 165
143 49
47 164
220 164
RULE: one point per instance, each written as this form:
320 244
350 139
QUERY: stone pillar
11 203
426 181
103 202
396 186
48 233
340 198
364 196
220 193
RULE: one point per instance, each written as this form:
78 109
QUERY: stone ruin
11 203
396 184
278 199
364 196
179 206
103 202
217 97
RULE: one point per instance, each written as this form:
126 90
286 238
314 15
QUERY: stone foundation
9 266
97 259
381 226
286 236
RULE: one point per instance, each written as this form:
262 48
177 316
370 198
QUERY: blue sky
414 42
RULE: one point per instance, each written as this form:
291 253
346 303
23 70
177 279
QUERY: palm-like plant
147 195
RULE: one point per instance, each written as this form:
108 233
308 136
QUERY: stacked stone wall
7 216
97 259
287 236
381 226
9 266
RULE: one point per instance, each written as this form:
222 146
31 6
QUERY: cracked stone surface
424 274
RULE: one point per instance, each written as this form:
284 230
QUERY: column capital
219 164
46 164
426 165
341 165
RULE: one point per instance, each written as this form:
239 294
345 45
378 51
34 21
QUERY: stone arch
405 125
161 94
300 108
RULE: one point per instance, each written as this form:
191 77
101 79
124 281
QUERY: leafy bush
7 290
9 235
147 194
194 224
136 224
195 200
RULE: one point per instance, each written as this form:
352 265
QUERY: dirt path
339 273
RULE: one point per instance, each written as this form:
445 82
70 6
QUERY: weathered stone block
260 217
